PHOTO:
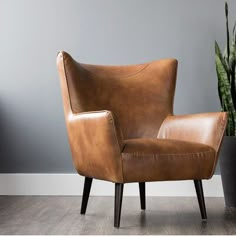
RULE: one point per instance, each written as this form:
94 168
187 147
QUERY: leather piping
63 60
113 128
223 126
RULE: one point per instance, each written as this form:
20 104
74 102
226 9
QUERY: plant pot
228 170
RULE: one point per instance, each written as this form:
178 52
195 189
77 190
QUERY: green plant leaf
224 90
232 56
226 74
219 54
234 33
227 30
232 63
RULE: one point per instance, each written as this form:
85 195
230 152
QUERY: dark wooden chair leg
118 203
87 187
200 197
142 195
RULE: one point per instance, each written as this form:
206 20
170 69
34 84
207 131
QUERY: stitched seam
223 125
171 154
117 77
116 138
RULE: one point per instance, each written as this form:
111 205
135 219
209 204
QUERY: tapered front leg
142 195
86 192
200 197
118 203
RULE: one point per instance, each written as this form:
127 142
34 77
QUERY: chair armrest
96 143
205 128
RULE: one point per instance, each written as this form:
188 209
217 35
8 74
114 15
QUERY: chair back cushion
140 96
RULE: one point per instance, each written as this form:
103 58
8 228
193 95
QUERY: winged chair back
139 96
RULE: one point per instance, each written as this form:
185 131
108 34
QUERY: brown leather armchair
122 129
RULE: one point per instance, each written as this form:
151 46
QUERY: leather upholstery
166 159
124 90
96 145
205 128
114 117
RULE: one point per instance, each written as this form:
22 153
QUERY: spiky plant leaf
232 63
224 90
219 54
223 83
234 33
232 56
226 73
227 30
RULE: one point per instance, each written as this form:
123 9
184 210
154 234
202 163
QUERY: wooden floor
164 215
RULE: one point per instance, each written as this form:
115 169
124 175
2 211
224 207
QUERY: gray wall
32 130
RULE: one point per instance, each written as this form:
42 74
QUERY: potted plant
226 73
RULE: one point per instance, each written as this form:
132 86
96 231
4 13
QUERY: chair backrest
140 96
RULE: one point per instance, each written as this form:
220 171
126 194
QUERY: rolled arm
96 142
205 128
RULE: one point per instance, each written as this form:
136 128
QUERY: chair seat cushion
166 159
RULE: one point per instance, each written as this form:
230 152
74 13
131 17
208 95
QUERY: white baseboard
72 184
